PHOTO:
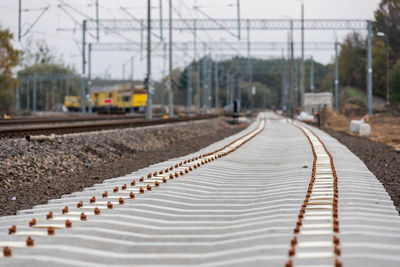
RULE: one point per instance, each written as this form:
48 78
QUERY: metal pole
216 87
197 68
312 75
189 90
97 21
198 111
41 91
336 76
249 65
238 17
239 92
133 86
265 98
170 96
291 72
149 110
59 90
64 92
205 84
296 84
19 20
232 89
67 85
51 98
123 88
161 25
18 103
141 44
283 76
387 69
28 104
227 87
90 78
34 92
369 87
302 58
83 67
209 73
45 93
286 88
163 77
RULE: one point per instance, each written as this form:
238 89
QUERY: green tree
379 67
9 57
353 61
267 73
387 20
395 83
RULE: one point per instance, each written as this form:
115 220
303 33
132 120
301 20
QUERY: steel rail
319 211
93 126
22 121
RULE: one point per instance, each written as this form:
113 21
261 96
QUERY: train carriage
111 99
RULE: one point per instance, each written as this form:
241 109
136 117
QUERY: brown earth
31 173
385 127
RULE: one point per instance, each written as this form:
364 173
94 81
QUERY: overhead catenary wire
216 21
61 7
62 3
36 20
138 20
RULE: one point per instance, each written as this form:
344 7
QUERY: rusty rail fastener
32 222
30 242
12 230
7 252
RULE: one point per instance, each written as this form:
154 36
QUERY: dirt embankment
385 127
31 173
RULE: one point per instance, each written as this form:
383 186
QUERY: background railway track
87 126
65 119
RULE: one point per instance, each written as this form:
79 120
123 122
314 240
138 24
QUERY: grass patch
354 96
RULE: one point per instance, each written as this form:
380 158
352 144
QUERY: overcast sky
67 43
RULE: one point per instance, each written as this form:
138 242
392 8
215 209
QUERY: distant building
313 102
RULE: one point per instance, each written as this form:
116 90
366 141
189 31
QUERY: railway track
66 119
272 195
93 125
318 217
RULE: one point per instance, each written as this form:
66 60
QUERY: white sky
68 43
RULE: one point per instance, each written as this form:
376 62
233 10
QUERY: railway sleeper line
318 216
93 207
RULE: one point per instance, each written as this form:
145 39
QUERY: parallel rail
92 126
66 119
318 216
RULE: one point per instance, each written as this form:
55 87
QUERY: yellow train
72 103
116 99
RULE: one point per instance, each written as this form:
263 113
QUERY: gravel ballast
31 173
382 160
